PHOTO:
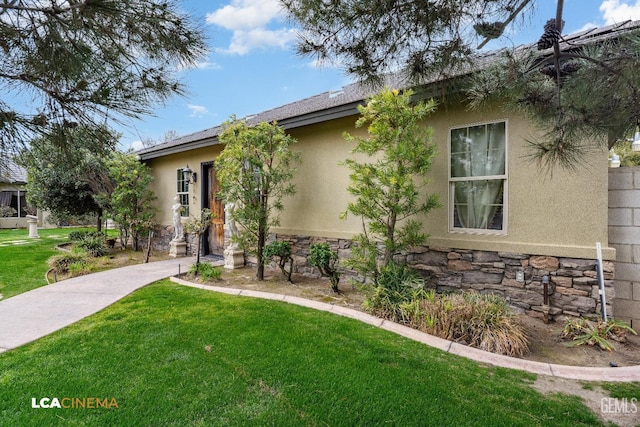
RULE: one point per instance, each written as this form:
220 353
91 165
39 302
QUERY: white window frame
182 191
504 177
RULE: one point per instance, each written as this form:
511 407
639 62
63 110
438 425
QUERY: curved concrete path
34 314
41 311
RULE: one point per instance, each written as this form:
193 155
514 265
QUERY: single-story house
541 225
13 197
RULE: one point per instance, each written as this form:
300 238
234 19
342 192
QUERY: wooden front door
215 238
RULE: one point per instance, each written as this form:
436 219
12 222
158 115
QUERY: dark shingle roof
343 103
11 173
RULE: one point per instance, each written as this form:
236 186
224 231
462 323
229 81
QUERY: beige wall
164 185
561 214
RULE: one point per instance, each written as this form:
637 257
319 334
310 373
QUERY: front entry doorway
214 236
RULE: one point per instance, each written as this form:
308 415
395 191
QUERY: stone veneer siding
574 281
624 236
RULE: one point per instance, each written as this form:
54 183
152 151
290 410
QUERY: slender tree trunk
261 241
99 222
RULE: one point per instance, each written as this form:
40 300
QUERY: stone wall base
573 281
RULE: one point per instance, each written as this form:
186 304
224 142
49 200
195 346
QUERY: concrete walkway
34 314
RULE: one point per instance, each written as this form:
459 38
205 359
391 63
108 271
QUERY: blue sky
252 65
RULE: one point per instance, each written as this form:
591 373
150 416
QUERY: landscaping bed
545 340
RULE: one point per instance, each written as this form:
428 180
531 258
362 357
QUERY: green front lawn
171 355
23 261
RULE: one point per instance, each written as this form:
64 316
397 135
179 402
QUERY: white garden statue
231 223
178 233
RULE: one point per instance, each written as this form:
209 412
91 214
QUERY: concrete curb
620 374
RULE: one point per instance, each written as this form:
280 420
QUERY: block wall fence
624 236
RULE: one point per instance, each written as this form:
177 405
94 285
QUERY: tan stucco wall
560 214
164 184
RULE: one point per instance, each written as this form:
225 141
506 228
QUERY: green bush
583 331
94 243
206 271
76 235
282 251
482 321
61 263
396 284
79 268
324 259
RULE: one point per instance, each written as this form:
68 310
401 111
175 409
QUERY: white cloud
136 145
615 11
197 111
585 27
249 21
243 42
246 14
205 65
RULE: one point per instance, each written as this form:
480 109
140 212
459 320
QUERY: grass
175 356
172 355
23 265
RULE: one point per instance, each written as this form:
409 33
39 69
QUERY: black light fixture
189 175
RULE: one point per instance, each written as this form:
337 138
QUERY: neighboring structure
534 224
13 197
624 236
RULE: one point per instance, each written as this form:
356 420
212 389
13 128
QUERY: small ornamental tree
324 259
282 251
131 201
255 171
197 227
388 188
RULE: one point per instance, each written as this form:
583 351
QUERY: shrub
324 259
77 235
79 268
206 271
94 243
482 321
282 251
396 285
61 263
583 331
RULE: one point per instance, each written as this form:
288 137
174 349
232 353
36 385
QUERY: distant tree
70 179
255 171
130 204
82 61
168 136
388 188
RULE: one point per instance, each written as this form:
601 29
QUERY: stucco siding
558 214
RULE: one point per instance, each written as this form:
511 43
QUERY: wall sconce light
189 175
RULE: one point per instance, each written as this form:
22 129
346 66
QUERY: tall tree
422 38
66 62
130 204
579 95
583 97
70 179
389 188
255 171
